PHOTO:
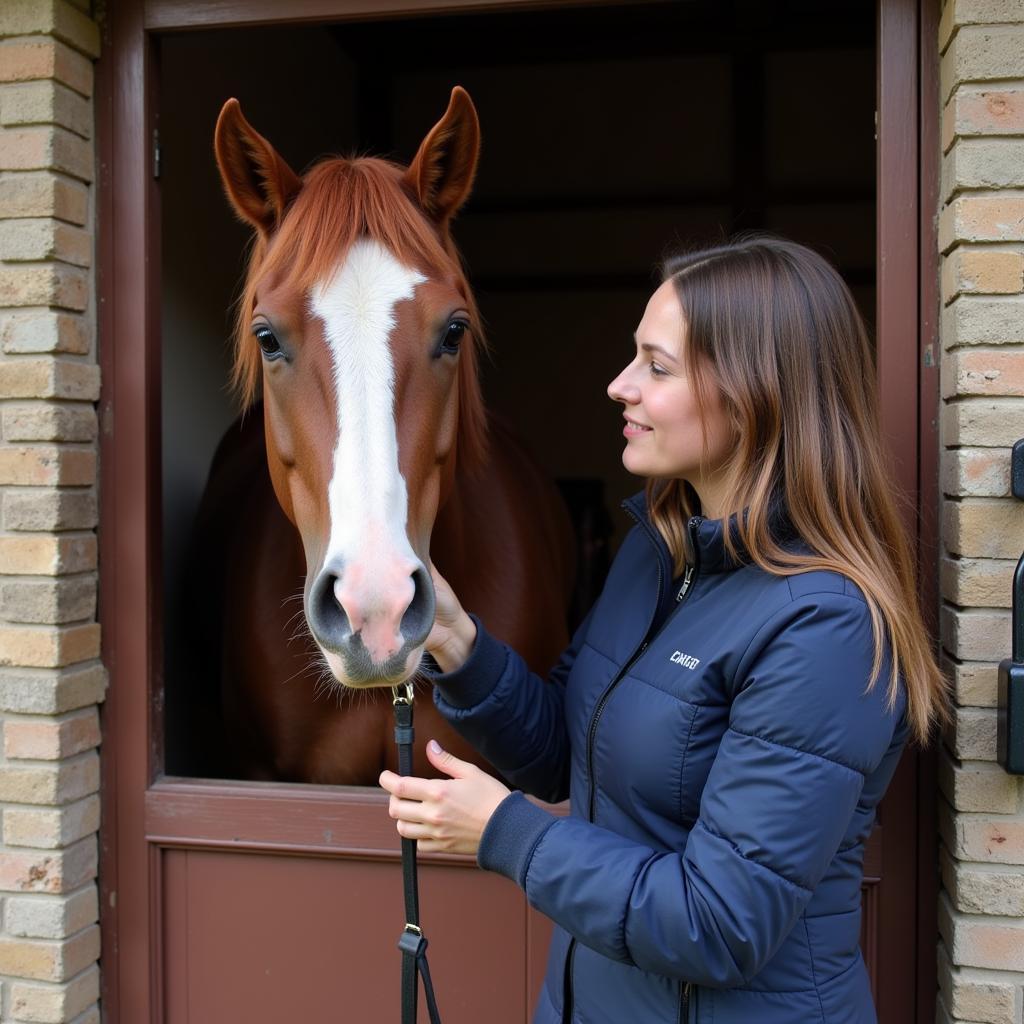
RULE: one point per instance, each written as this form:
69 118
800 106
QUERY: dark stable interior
611 136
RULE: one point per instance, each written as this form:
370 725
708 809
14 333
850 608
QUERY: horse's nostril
419 616
327 619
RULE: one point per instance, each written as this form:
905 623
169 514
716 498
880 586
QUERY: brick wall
50 676
981 235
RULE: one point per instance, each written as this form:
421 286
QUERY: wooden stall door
229 902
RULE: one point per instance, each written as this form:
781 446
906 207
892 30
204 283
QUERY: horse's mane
341 201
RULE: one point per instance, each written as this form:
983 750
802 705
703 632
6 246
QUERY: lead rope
411 942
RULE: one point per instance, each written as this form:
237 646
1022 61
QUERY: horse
365 455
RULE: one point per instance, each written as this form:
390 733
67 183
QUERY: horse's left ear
441 175
259 183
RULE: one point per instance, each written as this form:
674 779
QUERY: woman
730 713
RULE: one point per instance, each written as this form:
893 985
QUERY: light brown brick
42 238
36 508
22 60
45 102
975 996
987 423
50 18
972 683
984 527
48 422
982 53
55 1004
52 739
25 377
983 320
976 635
957 13
986 890
41 331
972 737
43 194
981 219
39 148
44 284
983 272
982 110
41 466
50 961
60 783
42 916
53 600
51 827
984 372
982 164
55 871
974 582
985 838
979 787
983 944
976 472
47 556
48 691
49 646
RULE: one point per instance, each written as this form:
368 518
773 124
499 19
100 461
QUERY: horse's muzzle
368 635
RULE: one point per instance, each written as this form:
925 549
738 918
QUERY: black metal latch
1010 728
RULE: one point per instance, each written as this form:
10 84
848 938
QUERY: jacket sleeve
514 718
802 736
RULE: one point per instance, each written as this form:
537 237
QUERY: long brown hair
772 327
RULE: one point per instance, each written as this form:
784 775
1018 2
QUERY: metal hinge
156 152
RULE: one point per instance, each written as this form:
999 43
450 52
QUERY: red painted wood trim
127 346
260 816
897 255
928 492
899 270
171 15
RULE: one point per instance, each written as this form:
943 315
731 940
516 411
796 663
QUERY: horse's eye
267 342
453 335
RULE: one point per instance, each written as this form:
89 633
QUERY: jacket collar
708 552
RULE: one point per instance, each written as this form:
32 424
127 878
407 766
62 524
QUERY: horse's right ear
259 184
441 174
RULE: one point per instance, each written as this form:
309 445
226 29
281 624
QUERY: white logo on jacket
686 660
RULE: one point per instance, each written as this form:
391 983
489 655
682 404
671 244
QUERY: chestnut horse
358 328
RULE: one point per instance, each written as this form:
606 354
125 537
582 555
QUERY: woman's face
663 424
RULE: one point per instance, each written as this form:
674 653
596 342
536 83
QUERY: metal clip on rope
411 942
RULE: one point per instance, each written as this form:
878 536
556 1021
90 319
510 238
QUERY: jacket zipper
692 525
684 1005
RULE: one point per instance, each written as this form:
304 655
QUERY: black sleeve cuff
511 836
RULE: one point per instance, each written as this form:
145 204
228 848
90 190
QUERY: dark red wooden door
235 901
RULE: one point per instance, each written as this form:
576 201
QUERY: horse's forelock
341 201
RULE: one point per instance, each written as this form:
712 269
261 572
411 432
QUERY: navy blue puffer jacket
723 761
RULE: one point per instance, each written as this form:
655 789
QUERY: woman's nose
621 390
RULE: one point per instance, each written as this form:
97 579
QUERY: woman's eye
453 335
267 342
657 371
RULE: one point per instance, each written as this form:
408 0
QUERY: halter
411 942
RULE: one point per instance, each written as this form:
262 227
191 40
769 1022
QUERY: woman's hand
444 815
453 634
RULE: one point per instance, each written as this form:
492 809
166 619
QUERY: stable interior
611 136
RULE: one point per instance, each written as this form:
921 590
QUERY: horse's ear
259 184
441 175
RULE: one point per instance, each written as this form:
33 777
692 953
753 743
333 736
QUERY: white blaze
367 495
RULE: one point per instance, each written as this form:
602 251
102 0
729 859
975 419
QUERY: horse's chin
364 675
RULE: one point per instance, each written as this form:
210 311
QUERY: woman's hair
772 327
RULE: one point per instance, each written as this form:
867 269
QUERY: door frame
143 813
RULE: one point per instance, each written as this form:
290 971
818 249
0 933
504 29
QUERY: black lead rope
412 942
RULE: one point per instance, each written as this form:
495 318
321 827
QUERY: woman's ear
441 174
258 183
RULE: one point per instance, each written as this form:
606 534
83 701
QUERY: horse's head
357 321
